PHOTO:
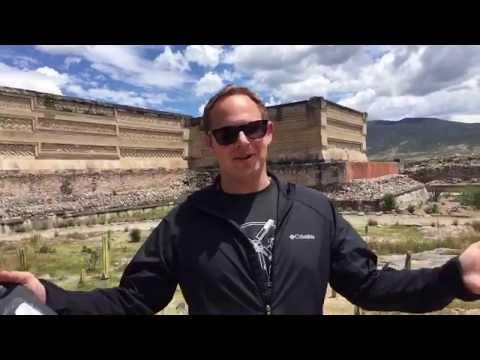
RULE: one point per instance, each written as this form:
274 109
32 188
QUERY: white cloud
444 104
123 97
44 79
230 76
389 82
466 118
209 83
201 108
360 99
265 57
24 62
69 60
171 61
272 101
204 55
303 89
126 63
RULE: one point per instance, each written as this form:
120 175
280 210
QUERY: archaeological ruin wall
315 130
47 132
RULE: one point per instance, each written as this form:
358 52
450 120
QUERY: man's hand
470 262
26 279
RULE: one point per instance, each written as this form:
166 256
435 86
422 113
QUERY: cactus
105 258
408 262
83 275
22 259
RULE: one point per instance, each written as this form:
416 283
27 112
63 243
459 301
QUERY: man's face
245 157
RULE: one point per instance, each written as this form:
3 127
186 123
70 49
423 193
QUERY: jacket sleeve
354 274
146 287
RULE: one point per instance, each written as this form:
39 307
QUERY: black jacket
219 273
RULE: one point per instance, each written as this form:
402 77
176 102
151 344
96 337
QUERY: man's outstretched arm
147 285
354 274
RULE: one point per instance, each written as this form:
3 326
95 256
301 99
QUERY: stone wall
47 132
369 170
303 132
320 174
50 183
447 170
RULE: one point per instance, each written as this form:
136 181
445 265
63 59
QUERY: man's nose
242 138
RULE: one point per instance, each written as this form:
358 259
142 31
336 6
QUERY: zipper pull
268 309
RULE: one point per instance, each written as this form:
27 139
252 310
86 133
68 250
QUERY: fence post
408 261
106 258
22 259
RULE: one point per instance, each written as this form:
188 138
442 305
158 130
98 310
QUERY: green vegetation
415 245
470 197
389 202
135 235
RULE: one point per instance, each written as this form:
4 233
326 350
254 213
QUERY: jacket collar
208 200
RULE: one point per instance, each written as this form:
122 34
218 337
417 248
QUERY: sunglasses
229 134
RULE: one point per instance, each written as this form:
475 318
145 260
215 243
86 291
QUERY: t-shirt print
262 235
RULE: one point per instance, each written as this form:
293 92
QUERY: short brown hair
227 91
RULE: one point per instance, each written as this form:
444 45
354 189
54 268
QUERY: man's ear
269 134
269 127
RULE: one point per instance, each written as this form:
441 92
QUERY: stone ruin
64 155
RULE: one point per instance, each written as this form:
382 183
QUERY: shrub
23 228
471 197
66 187
372 222
476 225
389 202
45 249
135 235
411 208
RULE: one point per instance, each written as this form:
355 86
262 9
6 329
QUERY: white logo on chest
302 237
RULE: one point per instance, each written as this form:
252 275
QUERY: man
252 244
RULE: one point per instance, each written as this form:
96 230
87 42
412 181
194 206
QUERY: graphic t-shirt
256 215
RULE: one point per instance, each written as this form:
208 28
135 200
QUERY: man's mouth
245 157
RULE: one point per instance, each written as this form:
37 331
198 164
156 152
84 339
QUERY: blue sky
388 82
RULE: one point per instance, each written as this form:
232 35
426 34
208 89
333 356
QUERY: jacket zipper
269 280
278 233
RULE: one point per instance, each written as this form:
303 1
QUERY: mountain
416 138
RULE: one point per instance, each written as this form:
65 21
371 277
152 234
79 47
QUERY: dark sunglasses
229 134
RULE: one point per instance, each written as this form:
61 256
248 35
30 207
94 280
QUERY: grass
395 232
63 266
400 239
418 245
139 215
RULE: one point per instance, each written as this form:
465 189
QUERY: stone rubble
38 205
372 189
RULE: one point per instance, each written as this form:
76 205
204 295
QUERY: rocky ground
41 205
450 170
373 189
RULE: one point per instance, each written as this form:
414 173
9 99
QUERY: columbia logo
302 237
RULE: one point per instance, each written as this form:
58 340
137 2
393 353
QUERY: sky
389 82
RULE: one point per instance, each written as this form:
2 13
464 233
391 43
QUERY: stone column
364 133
